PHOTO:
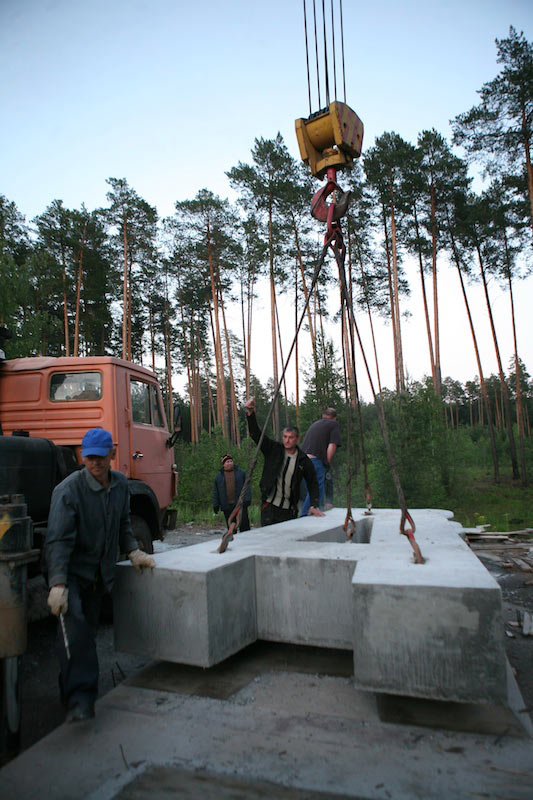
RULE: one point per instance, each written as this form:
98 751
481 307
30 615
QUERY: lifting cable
345 299
347 138
235 517
329 140
331 214
324 45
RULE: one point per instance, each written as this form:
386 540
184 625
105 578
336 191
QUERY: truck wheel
141 531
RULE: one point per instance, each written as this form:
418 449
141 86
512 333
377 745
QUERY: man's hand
315 512
140 560
250 406
58 599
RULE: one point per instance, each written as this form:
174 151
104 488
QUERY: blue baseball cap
96 442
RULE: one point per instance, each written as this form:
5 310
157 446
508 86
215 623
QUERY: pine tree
498 130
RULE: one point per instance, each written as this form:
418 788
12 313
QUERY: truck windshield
145 407
75 386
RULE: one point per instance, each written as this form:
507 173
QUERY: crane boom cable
333 48
316 54
342 51
234 517
380 410
326 73
307 59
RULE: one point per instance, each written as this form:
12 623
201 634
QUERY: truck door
151 460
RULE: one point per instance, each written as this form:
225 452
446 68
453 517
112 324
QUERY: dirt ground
41 710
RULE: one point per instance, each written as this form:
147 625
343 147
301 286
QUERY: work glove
140 560
58 600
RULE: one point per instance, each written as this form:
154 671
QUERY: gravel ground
41 710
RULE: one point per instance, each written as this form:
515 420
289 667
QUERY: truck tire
141 531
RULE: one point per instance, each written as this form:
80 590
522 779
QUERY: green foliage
506 507
198 465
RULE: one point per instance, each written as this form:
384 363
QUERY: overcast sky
170 95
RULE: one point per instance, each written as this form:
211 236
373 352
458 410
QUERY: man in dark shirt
284 468
88 524
320 444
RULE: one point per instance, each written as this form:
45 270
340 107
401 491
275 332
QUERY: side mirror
171 441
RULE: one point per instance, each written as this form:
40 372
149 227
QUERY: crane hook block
331 137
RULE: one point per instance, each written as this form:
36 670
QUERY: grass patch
505 507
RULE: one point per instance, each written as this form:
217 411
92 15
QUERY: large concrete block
186 615
305 600
423 631
432 630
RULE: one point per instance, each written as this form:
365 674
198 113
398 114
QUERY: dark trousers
78 679
270 514
245 522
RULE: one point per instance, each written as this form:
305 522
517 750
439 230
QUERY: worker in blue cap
88 525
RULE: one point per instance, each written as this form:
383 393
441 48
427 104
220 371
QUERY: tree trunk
152 335
426 308
391 298
188 365
168 366
222 402
275 411
233 399
519 411
398 333
244 346
125 290
78 291
369 312
65 311
296 358
505 393
283 368
436 328
483 386
130 305
306 295
529 168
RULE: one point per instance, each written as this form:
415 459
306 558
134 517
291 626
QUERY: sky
170 95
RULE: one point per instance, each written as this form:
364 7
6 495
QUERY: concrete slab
431 630
292 725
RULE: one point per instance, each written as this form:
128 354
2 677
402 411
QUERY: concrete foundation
432 630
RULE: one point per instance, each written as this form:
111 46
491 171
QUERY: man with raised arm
285 466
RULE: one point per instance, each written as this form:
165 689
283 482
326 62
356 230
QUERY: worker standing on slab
227 486
88 525
284 468
320 444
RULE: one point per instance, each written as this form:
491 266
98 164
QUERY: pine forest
122 281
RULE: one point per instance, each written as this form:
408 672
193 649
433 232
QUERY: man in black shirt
284 468
320 444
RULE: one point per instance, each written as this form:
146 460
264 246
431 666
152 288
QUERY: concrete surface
431 630
274 721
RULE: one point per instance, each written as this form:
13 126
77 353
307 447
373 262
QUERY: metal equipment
16 535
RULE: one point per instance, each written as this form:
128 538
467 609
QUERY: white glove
140 559
58 600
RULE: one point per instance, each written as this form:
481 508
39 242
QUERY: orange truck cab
58 400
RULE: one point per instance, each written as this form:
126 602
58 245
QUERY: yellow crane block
332 137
